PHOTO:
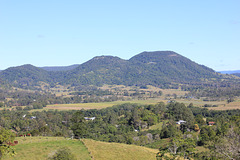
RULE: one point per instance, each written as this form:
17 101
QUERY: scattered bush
63 153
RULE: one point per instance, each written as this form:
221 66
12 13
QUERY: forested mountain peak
100 63
25 75
25 66
105 60
155 56
106 57
26 69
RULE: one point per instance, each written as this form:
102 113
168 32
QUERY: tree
231 99
6 137
63 153
180 145
180 112
228 146
196 128
199 119
44 130
79 126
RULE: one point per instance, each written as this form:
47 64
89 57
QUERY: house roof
181 121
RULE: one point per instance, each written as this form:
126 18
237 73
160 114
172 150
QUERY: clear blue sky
60 32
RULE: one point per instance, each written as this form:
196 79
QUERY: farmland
230 106
86 106
221 105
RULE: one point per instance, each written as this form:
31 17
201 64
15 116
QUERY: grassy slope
117 151
39 148
156 126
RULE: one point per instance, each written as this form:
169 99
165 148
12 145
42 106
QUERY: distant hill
25 75
229 72
160 68
171 66
60 68
237 74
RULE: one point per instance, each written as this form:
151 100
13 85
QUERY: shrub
63 153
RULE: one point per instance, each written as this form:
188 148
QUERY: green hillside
40 148
25 76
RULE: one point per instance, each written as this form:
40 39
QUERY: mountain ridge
158 68
60 68
230 72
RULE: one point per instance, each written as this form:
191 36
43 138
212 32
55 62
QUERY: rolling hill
39 148
43 147
25 76
160 68
230 72
60 68
237 74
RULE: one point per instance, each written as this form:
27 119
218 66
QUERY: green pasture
40 148
222 105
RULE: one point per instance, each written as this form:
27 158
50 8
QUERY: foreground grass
40 148
117 151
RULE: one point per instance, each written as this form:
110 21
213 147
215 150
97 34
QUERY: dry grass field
167 94
222 105
117 151
101 105
230 106
200 103
150 88
173 91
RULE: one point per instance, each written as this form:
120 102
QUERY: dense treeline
122 123
216 90
130 123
